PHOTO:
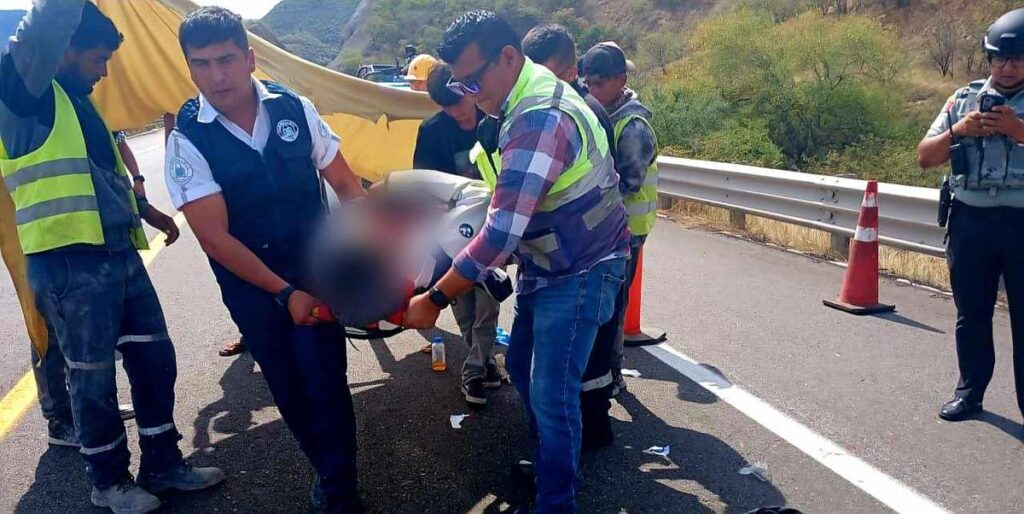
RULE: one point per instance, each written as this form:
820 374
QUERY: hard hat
1005 37
419 68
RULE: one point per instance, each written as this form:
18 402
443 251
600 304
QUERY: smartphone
990 100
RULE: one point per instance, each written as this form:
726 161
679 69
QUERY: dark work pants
985 243
636 244
595 398
306 370
52 382
96 302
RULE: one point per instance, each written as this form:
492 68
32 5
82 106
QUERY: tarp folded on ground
149 77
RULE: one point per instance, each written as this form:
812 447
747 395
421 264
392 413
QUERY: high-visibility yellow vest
642 206
54 196
536 89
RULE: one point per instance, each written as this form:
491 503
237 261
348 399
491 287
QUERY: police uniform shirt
188 174
958 106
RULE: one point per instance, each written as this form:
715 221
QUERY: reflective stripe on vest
52 189
642 206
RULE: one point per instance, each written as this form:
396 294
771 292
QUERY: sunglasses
471 84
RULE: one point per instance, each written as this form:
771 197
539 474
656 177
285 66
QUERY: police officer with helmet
981 132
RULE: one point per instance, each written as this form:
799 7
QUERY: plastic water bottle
437 357
502 337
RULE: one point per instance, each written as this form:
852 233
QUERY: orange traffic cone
633 333
860 287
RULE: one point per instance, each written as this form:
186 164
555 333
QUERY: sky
249 9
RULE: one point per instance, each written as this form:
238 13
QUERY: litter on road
661 451
757 470
456 420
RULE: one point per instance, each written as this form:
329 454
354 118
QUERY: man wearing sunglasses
981 132
556 209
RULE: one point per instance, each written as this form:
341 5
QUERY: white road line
864 476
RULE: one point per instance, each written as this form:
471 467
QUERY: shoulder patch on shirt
323 129
287 130
466 230
950 103
181 171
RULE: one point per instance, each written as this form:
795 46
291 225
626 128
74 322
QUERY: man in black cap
553 47
636 151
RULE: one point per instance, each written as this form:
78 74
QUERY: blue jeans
552 336
96 302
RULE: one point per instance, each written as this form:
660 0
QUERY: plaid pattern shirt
538 147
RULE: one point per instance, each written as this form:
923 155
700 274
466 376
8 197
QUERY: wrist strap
283 295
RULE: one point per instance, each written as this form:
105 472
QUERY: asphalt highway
837 413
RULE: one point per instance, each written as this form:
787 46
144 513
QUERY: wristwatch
438 298
138 178
283 295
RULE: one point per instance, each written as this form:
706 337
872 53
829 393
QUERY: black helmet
1005 37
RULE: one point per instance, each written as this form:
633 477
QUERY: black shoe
474 391
321 504
959 409
492 380
62 433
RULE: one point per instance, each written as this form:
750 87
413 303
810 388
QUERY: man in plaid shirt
556 209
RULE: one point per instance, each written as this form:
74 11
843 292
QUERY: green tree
816 82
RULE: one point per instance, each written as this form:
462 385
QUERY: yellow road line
16 403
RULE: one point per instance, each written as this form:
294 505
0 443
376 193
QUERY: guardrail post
737 219
666 202
839 245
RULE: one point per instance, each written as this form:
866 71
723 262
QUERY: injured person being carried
374 254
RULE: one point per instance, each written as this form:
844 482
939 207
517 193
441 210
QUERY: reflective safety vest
54 196
642 206
553 246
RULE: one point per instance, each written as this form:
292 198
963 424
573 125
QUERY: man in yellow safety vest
636 146
79 225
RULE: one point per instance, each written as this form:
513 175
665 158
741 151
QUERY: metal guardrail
832 204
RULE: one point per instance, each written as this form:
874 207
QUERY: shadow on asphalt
903 320
624 479
1006 425
56 468
412 461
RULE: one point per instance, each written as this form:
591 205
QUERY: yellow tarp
149 77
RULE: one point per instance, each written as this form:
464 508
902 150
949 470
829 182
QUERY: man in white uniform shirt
244 164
